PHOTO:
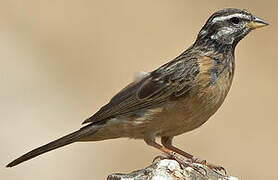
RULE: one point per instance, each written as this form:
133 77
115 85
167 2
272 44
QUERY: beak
256 23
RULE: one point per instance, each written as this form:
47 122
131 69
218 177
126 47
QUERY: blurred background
62 60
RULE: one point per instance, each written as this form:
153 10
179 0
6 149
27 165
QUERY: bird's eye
235 20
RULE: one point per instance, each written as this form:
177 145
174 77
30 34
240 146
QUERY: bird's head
229 26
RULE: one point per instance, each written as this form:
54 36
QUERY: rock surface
168 169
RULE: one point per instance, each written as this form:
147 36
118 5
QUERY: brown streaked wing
173 78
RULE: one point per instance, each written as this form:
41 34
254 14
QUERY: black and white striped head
229 26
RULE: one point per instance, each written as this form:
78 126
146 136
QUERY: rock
168 169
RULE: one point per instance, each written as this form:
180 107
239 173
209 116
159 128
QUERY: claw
159 158
199 161
220 169
198 168
215 168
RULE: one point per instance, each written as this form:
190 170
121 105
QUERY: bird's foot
216 168
184 163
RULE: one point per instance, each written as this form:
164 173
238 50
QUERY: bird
175 98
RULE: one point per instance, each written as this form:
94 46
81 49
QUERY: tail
68 139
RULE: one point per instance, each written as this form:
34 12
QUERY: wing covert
172 79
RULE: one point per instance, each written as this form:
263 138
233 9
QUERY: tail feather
65 140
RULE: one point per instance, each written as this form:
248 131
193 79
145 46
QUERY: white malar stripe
223 18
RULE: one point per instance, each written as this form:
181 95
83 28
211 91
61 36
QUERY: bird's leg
167 142
151 141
